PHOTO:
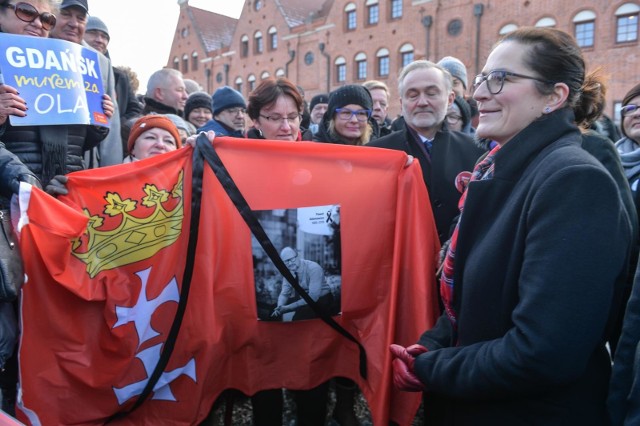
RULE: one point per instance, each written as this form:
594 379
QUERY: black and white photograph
307 240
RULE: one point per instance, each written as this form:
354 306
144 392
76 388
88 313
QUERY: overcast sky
142 30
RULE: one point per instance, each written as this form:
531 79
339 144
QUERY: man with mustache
426 92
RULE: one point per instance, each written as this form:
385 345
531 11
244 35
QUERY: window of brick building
627 23
585 28
264 75
350 17
406 54
341 69
373 12
382 57
396 9
507 29
244 46
185 63
238 84
546 22
361 66
258 42
280 72
252 82
176 63
273 38
194 61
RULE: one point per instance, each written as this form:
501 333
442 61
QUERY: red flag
105 268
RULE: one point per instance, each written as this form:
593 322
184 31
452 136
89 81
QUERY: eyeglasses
346 114
291 260
291 118
27 13
236 111
495 80
628 110
453 119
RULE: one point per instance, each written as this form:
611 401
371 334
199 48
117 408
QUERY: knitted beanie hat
149 122
632 93
456 68
322 98
96 24
226 97
197 100
354 94
180 123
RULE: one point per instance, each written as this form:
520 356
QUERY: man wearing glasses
426 93
310 276
229 109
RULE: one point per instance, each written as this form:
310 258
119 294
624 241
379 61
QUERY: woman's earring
547 110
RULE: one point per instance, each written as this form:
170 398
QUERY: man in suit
426 94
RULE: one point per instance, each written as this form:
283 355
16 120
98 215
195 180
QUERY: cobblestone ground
242 412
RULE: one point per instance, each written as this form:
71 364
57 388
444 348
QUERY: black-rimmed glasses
27 13
628 110
495 80
346 114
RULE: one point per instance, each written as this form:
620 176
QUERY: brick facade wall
470 41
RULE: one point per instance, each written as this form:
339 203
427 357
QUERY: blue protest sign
59 80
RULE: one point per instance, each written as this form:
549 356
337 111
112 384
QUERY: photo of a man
310 276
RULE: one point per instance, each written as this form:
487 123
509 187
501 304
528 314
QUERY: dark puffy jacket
27 143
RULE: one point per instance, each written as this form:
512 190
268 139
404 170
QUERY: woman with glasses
531 283
629 145
459 116
275 107
348 120
624 398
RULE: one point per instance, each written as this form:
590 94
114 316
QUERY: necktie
428 143
482 171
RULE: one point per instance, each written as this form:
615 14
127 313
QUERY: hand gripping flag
140 303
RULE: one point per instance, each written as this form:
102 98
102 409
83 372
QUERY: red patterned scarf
482 171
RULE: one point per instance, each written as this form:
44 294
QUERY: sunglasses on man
27 13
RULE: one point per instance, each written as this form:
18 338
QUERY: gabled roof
215 30
297 12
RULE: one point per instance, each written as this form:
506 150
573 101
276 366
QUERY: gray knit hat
346 95
96 24
226 97
456 68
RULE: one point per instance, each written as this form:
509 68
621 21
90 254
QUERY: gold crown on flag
134 239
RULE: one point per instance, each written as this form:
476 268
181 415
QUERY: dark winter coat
540 254
451 153
221 129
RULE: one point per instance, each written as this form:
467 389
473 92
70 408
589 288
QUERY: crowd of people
535 206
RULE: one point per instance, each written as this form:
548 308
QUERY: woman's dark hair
555 56
268 92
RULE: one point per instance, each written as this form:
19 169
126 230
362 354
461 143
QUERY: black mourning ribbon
204 150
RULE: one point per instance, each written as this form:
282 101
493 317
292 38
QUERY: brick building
323 44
